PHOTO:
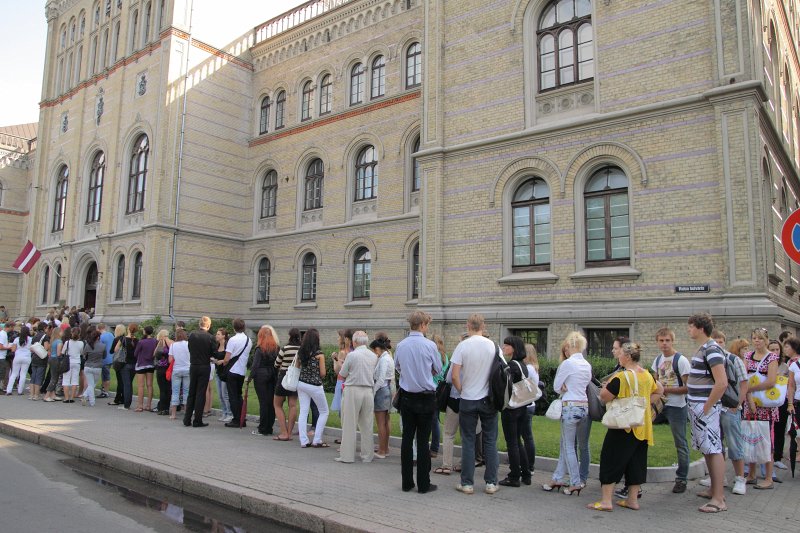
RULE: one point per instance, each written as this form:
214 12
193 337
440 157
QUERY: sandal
598 506
284 439
457 468
624 503
443 470
138 410
320 445
704 494
712 509
764 487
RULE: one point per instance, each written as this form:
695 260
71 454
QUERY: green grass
546 432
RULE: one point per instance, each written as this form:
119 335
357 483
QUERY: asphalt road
41 490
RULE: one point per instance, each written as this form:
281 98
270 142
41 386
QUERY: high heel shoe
569 491
551 487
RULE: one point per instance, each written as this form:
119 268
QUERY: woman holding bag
763 363
572 376
625 450
282 363
312 371
514 419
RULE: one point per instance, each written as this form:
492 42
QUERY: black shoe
508 482
199 424
232 424
526 481
179 409
114 403
679 487
409 489
623 493
431 488
102 395
187 423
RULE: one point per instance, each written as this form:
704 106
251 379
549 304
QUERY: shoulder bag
597 409
120 355
523 392
39 350
626 413
225 369
772 397
554 411
443 394
63 361
292 377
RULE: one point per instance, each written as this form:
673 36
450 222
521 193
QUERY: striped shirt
701 381
284 359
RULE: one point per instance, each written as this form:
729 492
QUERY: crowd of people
67 357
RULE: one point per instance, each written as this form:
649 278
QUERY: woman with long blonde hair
263 374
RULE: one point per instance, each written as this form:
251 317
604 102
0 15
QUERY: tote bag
626 413
756 443
772 397
523 392
554 411
292 377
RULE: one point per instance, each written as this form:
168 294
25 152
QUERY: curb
237 497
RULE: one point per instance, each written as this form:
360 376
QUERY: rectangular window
537 337
600 340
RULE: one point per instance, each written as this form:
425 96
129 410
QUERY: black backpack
500 385
730 398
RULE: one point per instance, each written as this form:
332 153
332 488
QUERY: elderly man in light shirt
358 400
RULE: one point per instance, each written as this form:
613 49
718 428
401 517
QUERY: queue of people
676 390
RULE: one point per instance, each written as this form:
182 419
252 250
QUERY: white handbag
626 413
39 350
292 377
554 411
523 392
772 397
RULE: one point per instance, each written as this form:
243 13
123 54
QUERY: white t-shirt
532 373
666 375
23 352
474 354
234 346
73 350
3 342
180 352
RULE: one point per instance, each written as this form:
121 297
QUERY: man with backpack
472 365
671 369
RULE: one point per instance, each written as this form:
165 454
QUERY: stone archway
90 287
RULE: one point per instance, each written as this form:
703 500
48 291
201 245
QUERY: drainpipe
180 170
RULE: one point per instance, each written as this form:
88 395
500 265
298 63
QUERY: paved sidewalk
308 489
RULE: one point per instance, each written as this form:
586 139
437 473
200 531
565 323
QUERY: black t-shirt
43 339
202 347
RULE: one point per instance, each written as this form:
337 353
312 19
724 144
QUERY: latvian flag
27 258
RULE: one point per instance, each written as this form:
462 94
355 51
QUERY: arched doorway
90 291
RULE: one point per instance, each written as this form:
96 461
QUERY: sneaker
466 489
222 418
123 408
679 487
228 418
707 482
102 395
739 486
779 465
491 488
623 493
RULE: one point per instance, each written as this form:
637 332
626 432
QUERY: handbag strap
521 372
635 388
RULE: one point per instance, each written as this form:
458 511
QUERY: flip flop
712 509
321 445
764 487
705 495
284 439
138 410
442 470
624 503
598 506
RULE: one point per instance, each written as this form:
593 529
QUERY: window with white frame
307 101
60 206
357 76
269 194
530 207
309 278
280 110
362 274
366 181
315 174
262 296
96 177
325 95
263 123
565 43
413 66
137 179
378 77
607 218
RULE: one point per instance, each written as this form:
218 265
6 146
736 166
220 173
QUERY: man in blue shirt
417 360
106 338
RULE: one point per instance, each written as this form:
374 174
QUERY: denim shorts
383 399
37 374
731 423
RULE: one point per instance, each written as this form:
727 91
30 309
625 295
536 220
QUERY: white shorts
706 434
71 377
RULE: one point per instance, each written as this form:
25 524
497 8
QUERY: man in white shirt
4 347
472 363
238 346
675 388
358 399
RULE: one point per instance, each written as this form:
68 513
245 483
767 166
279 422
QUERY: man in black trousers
202 348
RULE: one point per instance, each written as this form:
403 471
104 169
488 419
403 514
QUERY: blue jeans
180 382
678 417
470 411
731 423
436 432
575 427
224 404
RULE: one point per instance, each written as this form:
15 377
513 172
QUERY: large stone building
553 164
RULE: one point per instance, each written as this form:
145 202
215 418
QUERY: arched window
280 108
57 285
415 272
120 281
263 123
104 49
160 20
607 224
146 23
413 65
78 58
362 273
564 36
326 95
136 291
378 77
138 176
59 209
115 43
357 84
45 284
308 99
134 28
314 176
416 183
309 281
263 281
269 194
366 174
96 176
531 226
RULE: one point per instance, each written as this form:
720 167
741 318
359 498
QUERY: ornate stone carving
565 102
141 84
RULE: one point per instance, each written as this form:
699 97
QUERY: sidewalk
306 488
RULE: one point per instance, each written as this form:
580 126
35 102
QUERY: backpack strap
675 360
